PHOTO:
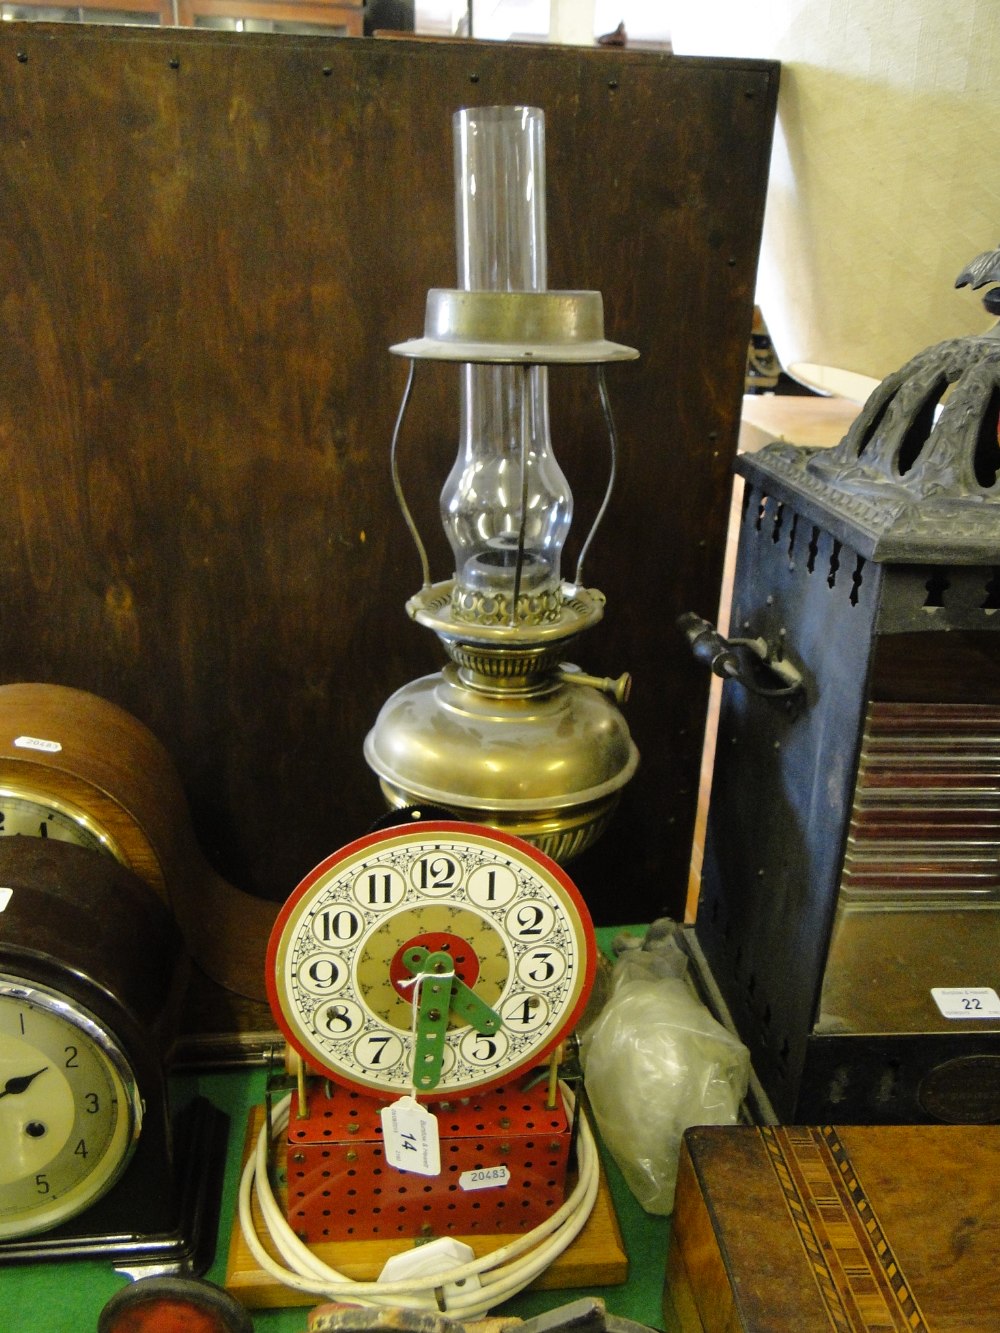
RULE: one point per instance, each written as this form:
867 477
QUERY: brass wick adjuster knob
618 688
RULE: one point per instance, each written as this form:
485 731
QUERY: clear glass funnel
506 505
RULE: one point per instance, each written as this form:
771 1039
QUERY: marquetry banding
857 1275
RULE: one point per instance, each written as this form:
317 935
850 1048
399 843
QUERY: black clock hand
20 1083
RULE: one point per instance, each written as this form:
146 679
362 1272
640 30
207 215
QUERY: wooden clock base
596 1257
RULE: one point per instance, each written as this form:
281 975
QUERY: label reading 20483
484 1178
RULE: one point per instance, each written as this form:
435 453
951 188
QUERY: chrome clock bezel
93 1184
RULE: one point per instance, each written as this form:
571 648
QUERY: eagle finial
983 269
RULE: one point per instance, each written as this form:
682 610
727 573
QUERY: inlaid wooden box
805 1229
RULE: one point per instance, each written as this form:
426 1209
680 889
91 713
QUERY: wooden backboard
207 244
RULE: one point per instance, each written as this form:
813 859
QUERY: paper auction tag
410 1135
36 743
484 1178
967 1001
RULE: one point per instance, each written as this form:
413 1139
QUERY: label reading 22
966 1002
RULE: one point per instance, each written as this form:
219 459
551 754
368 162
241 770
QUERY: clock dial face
34 817
69 1110
509 930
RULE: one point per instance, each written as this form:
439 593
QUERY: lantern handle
397 485
742 660
609 421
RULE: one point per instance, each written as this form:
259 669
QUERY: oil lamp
508 734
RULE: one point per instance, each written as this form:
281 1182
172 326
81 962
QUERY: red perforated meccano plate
503 1167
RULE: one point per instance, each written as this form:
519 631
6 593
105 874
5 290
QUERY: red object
168 1315
173 1305
464 961
341 1188
426 828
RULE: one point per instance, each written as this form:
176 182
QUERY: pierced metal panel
341 1188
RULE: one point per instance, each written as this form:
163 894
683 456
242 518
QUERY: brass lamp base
559 834
545 760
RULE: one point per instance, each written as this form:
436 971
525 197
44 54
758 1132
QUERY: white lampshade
883 183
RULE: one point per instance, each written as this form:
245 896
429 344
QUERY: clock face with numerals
441 943
69 1108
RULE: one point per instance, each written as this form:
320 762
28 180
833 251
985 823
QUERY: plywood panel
208 243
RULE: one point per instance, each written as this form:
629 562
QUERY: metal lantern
508 734
849 919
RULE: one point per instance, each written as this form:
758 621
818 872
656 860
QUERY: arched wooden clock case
90 957
101 886
77 766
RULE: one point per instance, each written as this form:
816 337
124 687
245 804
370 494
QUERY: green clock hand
433 1006
465 1003
441 994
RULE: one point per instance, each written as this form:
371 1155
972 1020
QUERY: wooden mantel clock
93 1159
77 768
104 895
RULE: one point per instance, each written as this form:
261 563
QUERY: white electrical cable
502 1274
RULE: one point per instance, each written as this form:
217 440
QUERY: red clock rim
454 828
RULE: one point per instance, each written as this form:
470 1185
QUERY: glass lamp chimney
506 506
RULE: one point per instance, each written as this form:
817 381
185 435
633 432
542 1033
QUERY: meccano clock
438 958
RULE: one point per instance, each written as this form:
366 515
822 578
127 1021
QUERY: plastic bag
656 1062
